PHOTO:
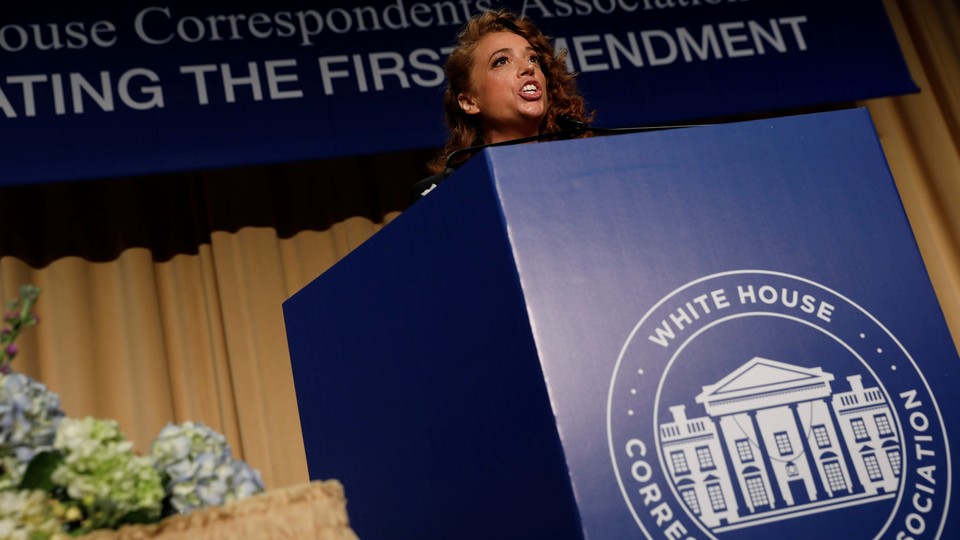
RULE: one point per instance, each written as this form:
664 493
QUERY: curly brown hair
561 85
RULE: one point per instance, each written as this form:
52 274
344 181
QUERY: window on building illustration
717 502
859 429
679 462
756 491
690 497
705 458
783 443
893 456
873 467
834 476
744 450
821 435
883 425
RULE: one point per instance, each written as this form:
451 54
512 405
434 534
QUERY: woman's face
509 89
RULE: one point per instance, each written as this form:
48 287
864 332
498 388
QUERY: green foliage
40 470
19 315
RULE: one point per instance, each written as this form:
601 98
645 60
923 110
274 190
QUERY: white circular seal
759 404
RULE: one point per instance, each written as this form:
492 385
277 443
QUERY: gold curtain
162 295
920 135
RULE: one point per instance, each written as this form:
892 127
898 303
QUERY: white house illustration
777 441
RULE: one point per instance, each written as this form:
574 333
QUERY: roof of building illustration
763 377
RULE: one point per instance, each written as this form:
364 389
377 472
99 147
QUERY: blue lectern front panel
418 385
737 332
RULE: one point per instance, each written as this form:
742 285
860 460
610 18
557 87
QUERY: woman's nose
527 68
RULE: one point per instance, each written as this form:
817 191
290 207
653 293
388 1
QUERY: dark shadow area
175 213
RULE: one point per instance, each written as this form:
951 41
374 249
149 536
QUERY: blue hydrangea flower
199 468
29 417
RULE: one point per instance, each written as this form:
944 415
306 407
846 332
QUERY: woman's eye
535 59
500 61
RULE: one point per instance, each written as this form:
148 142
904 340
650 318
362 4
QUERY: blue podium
716 332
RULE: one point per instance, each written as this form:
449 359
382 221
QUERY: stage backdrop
93 89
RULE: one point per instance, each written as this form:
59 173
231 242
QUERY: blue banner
124 88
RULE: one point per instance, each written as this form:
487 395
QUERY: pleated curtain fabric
920 135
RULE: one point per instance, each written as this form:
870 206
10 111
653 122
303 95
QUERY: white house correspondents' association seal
758 404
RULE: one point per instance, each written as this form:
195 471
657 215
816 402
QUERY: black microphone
569 123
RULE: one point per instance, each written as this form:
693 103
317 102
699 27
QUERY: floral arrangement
63 477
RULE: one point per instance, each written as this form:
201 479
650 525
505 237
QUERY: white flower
28 515
100 471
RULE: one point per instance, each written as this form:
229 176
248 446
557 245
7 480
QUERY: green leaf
40 469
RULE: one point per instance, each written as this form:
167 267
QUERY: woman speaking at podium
504 82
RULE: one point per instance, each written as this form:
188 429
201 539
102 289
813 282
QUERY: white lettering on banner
327 74
545 9
82 90
51 37
393 68
434 68
153 92
200 79
378 71
659 47
252 80
233 27
274 79
159 25
589 53
583 53
383 66
232 79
